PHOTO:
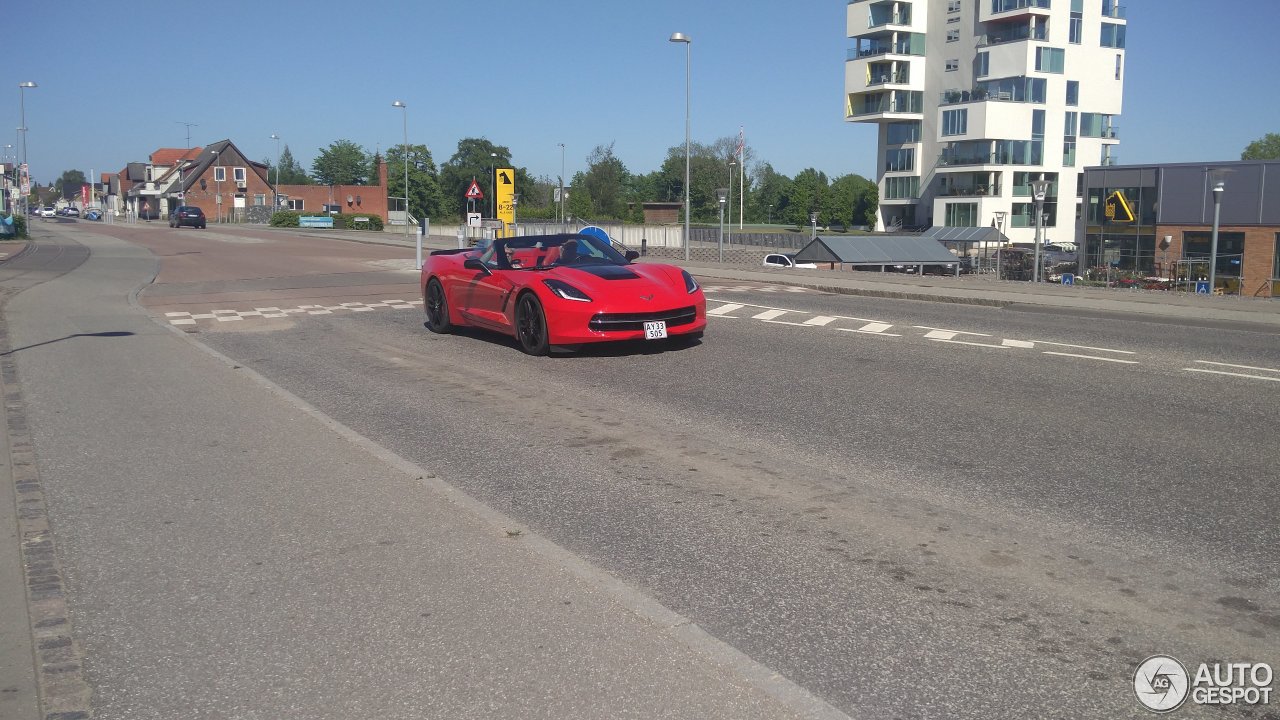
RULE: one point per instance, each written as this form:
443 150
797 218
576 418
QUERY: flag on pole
741 143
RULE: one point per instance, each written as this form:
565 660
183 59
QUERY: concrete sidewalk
230 552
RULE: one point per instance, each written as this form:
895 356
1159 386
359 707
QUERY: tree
852 200
772 191
605 182
425 197
376 160
342 163
807 194
1265 148
291 173
475 160
70 183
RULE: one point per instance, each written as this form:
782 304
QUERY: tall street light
275 195
722 194
405 114
1218 178
217 180
1000 247
561 198
22 103
732 163
1039 188
688 57
493 184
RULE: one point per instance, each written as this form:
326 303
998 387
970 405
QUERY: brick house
320 199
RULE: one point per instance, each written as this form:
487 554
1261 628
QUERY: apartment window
953 35
1050 60
1037 125
982 67
1069 153
955 122
1073 93
953 65
901 188
1070 125
219 174
900 160
260 200
1077 28
297 204
953 6
962 215
1119 63
1112 35
903 133
239 174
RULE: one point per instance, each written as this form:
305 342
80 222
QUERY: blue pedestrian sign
1068 279
1202 287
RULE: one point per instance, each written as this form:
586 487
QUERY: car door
483 296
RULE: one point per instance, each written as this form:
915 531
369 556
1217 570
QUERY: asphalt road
910 509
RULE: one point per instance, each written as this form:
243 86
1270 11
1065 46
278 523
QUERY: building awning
876 250
967 235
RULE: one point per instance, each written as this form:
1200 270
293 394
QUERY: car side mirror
631 255
473 263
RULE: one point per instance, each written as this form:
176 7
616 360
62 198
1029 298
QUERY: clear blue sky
116 81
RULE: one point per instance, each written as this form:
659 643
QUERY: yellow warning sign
1118 209
504 182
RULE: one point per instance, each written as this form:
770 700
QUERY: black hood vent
608 272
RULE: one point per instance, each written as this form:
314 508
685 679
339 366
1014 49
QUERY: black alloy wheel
437 308
531 326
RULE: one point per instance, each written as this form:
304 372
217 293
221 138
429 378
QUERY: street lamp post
688 58
1039 188
8 153
22 104
1000 229
515 202
561 208
1219 180
404 113
730 200
493 184
770 221
813 226
217 181
275 194
722 194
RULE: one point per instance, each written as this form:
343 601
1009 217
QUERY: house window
900 160
1073 93
239 174
901 188
962 214
297 204
953 6
953 35
903 133
1275 267
1112 35
1070 124
1069 153
219 174
260 200
1119 63
983 66
953 65
1077 28
1050 60
955 122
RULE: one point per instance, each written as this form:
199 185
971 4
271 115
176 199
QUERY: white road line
229 318
974 344
1241 367
820 320
725 309
953 332
868 332
1211 372
769 315
798 312
939 334
1091 357
1017 344
784 322
875 327
187 321
1084 347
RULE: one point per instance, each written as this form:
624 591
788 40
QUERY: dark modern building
1157 220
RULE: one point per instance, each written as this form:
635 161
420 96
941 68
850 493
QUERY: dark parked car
187 215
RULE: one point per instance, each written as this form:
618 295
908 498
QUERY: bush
19 225
348 221
285 218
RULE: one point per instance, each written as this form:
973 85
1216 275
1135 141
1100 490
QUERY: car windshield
543 252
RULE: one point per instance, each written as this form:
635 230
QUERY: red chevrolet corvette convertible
560 292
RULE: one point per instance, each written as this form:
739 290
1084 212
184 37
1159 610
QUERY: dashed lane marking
820 320
188 318
1093 357
1084 347
757 288
724 310
769 315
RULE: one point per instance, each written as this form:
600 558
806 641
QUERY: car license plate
655 330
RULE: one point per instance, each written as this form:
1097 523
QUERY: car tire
531 326
436 305
203 226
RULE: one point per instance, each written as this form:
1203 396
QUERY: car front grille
636 321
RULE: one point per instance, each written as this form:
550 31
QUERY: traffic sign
473 192
1202 287
1068 279
505 193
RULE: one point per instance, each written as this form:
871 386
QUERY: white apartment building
975 99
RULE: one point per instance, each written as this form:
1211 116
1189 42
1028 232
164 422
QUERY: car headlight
690 285
566 291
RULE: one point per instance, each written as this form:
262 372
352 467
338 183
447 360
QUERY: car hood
604 282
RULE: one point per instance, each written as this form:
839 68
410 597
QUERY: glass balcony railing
1113 10
913 104
875 20
1107 133
866 51
902 77
1002 6
1040 33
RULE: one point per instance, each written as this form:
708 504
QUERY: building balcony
868 106
1113 10
1106 133
902 77
1014 34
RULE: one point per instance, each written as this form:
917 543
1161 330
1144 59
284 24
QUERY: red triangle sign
473 192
